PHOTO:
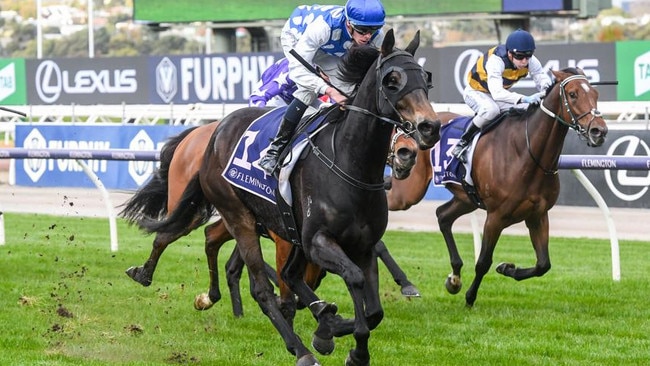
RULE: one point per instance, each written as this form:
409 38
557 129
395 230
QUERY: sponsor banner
67 173
619 188
87 81
633 70
12 82
225 78
450 66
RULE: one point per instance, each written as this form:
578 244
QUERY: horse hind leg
216 234
538 230
408 289
144 274
447 214
251 253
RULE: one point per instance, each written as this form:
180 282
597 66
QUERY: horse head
577 105
404 91
402 155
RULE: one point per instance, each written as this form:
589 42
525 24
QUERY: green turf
65 300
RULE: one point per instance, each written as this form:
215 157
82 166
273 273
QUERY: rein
574 125
406 127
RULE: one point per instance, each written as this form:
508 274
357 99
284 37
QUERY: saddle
451 170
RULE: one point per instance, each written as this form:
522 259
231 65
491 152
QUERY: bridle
386 107
386 103
573 124
574 120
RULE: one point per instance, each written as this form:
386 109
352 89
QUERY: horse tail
150 201
193 210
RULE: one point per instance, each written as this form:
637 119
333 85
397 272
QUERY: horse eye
393 82
573 95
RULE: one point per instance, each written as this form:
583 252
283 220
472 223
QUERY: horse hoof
453 284
410 291
349 361
135 273
308 360
322 345
202 302
504 268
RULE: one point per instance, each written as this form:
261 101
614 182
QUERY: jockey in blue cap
489 80
321 34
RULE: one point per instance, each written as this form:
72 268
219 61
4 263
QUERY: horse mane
533 107
354 65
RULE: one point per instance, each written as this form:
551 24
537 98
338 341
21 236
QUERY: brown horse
180 159
514 170
338 201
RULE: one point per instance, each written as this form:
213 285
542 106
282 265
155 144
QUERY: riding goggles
522 55
363 30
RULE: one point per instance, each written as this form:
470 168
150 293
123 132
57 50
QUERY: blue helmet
520 41
367 13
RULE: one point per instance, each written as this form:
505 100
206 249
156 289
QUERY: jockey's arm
539 75
494 68
316 34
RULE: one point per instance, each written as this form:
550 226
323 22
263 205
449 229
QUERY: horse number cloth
243 168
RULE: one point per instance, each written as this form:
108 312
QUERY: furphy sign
207 79
87 81
451 65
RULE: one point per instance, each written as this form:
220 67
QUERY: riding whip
315 71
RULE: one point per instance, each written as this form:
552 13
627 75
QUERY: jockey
489 80
321 34
274 87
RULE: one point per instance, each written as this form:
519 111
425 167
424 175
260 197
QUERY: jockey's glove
533 99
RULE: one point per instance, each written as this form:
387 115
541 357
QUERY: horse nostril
405 154
429 128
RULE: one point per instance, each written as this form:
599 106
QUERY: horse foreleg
447 214
144 274
326 252
538 230
408 289
491 232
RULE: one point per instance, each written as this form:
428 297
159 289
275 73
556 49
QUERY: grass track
66 301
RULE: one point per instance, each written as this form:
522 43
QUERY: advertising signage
12 82
206 79
633 70
114 80
450 66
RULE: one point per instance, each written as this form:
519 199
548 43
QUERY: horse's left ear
389 43
415 43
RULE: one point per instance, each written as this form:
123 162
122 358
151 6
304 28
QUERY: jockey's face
361 35
520 60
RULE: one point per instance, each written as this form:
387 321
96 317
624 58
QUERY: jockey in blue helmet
487 91
321 35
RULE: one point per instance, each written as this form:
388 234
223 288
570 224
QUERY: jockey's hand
533 99
335 95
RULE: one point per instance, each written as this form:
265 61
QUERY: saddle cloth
243 170
446 168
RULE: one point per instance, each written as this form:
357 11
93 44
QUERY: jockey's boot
291 119
462 145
